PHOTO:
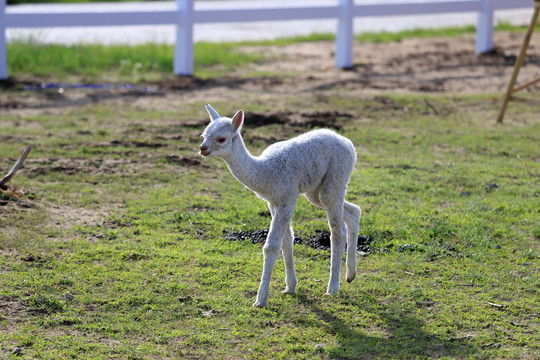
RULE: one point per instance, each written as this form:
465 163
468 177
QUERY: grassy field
119 247
139 64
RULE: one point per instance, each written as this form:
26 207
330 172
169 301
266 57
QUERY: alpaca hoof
260 302
332 290
351 277
288 291
327 294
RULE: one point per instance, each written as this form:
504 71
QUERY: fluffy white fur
317 164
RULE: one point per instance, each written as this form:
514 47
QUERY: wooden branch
15 167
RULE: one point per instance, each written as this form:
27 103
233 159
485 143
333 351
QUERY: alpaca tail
352 214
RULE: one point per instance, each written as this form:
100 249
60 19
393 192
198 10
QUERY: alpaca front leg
290 274
278 227
270 253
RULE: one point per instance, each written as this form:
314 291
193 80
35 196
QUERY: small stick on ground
496 305
15 167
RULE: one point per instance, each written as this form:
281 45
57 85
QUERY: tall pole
3 41
344 37
183 49
484 28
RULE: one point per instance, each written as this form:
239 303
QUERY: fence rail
185 16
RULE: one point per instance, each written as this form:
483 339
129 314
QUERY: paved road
230 32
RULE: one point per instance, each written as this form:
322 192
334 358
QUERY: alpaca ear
213 113
237 121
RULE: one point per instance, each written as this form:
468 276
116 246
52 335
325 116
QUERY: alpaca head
219 135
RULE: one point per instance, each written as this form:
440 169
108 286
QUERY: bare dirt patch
66 216
414 65
36 167
7 203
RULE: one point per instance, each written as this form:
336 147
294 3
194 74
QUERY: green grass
91 63
138 237
28 59
382 37
139 241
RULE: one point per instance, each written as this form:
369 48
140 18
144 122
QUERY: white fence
185 16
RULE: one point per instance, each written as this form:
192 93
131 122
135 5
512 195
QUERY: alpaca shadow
398 334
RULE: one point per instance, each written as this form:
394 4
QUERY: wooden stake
15 167
510 90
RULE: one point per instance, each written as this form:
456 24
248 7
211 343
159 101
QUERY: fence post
484 28
183 49
3 41
344 36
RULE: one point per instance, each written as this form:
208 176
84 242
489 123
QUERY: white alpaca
317 164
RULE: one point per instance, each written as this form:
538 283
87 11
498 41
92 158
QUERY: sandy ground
418 65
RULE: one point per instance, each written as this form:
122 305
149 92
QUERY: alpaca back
301 163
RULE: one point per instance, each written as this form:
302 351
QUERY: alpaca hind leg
337 239
337 233
332 197
351 215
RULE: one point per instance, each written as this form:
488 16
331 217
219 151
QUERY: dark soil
137 144
304 119
184 160
320 240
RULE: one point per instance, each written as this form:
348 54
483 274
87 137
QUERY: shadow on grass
404 336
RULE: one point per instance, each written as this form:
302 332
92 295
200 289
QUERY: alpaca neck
242 164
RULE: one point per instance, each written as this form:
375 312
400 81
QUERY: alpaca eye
221 140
